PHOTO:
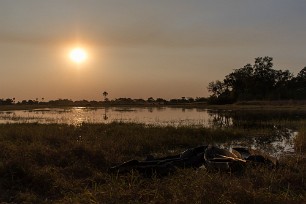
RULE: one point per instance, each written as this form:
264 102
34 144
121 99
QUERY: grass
300 140
57 163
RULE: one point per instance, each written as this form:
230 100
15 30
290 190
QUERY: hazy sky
141 48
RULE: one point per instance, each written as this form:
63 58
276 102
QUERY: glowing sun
78 55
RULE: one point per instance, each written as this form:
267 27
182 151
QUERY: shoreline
244 105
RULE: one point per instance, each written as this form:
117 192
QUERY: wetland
62 154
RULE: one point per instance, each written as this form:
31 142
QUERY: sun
78 55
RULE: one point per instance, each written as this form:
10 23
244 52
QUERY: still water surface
280 142
77 115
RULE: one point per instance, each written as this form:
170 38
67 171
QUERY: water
150 115
281 140
280 144
77 115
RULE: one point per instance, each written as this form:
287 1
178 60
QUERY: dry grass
68 164
300 141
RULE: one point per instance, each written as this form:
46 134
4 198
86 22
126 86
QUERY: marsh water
280 141
77 115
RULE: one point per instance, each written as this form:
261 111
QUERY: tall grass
300 140
68 164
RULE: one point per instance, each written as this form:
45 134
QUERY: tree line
117 101
258 82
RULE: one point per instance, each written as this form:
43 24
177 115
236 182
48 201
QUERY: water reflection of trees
271 138
105 117
277 142
219 119
251 119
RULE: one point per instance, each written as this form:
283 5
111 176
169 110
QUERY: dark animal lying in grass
210 156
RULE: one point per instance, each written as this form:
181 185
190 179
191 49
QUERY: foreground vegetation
61 163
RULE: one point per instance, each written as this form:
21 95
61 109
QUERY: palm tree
105 95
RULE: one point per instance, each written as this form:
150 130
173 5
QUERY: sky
141 48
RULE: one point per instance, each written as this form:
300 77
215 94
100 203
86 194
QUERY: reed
300 140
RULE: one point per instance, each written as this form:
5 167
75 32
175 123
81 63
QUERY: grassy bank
62 163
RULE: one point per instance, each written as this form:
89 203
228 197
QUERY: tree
264 76
216 88
240 82
299 85
282 84
190 99
161 101
150 100
258 82
302 75
282 78
105 95
7 101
